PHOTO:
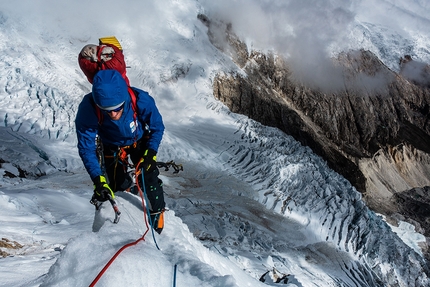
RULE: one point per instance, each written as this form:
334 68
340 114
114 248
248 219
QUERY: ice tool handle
97 204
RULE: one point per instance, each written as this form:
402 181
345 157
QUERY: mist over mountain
255 202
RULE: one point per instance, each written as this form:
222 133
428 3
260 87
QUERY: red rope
129 244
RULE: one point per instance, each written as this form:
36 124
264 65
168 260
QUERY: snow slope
250 199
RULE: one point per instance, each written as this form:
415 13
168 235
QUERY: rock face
375 131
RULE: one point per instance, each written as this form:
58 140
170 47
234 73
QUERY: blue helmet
110 90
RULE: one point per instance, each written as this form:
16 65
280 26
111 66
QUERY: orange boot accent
160 224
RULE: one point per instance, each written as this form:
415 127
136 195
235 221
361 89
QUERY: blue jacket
118 133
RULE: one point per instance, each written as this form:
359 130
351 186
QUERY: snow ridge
316 227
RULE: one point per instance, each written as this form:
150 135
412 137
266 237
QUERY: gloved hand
149 160
102 191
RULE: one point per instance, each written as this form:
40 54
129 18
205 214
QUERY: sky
250 197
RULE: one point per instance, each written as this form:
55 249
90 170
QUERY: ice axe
97 204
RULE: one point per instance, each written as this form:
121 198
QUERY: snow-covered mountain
250 199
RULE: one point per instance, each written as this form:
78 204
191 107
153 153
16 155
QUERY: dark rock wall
373 116
342 127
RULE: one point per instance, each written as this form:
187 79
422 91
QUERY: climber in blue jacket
130 128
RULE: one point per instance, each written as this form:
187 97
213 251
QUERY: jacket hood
109 89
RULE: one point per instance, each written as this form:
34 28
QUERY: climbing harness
121 157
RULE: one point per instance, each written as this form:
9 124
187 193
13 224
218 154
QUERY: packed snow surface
251 205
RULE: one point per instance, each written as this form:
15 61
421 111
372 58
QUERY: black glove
149 160
102 191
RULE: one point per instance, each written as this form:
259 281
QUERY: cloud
309 33
81 18
407 17
302 31
305 32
